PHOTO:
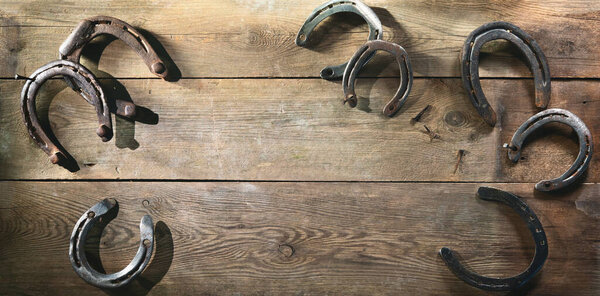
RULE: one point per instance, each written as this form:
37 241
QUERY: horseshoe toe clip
333 7
511 283
77 251
90 28
362 56
562 116
528 46
88 87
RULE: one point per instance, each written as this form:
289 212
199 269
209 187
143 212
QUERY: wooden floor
261 182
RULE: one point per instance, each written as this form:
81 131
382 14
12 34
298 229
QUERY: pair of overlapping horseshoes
83 81
349 71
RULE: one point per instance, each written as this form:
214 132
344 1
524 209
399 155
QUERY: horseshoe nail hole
391 107
543 243
146 243
547 184
91 215
145 202
302 37
327 72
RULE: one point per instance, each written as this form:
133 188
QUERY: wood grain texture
298 238
255 38
287 129
250 107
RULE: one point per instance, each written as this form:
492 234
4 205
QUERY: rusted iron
90 28
450 257
362 56
77 254
561 116
333 7
459 156
418 117
88 87
527 45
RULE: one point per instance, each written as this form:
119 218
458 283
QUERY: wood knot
286 250
455 118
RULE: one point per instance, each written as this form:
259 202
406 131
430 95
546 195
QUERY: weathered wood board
298 238
255 38
286 129
226 158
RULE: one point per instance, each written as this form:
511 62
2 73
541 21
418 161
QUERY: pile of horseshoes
83 81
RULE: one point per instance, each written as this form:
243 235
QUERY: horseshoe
333 7
503 284
528 46
362 56
79 260
90 28
89 88
562 116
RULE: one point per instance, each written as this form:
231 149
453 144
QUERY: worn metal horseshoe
333 7
503 284
90 28
362 56
77 251
470 65
89 88
562 116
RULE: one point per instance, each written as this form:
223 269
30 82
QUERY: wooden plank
347 238
255 38
287 129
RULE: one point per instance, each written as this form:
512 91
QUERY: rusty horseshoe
362 56
90 28
333 7
79 259
89 88
503 284
561 116
527 45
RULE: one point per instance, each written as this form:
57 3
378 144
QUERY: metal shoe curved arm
585 145
90 28
333 7
77 249
470 65
89 88
362 56
511 283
